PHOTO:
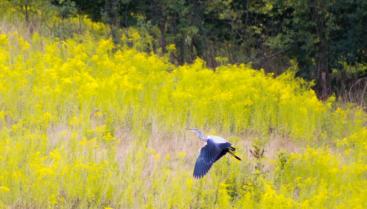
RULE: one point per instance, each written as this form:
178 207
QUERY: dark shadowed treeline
327 39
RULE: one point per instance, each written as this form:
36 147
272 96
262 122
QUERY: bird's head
198 133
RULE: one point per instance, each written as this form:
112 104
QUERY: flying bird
215 148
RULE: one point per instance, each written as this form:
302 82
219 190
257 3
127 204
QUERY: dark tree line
327 38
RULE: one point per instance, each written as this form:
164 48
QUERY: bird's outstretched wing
208 155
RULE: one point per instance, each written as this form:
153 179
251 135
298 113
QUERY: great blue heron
215 148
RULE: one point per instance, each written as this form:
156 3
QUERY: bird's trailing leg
235 156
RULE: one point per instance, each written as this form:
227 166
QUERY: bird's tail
235 156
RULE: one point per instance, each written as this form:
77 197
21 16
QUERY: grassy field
82 126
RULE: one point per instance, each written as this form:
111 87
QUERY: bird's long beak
192 129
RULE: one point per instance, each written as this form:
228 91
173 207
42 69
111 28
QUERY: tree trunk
181 56
162 29
113 17
323 81
115 21
26 11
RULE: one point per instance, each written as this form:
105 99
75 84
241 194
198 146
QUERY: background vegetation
326 38
93 121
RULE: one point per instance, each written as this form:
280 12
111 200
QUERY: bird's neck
202 136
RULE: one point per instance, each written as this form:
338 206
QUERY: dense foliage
326 38
85 127
93 121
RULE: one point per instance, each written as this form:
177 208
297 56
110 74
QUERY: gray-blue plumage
209 154
215 148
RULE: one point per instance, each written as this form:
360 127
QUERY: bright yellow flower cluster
319 178
84 126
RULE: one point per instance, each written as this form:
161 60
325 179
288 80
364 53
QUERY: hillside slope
85 127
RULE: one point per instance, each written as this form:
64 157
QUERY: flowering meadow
83 125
